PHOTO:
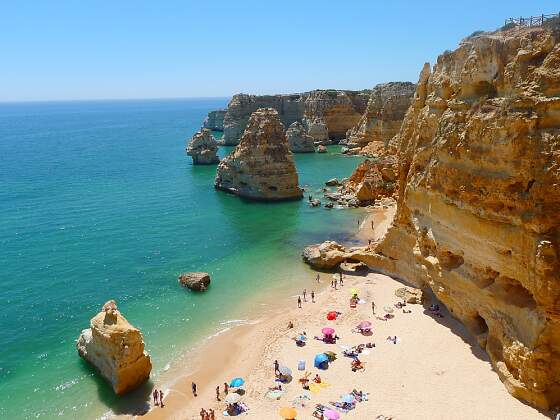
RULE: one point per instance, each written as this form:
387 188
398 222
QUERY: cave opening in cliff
479 325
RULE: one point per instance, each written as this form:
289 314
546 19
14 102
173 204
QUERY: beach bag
301 365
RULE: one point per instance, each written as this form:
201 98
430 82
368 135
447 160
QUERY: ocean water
98 201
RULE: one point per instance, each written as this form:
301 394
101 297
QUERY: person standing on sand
226 388
155 396
318 278
335 284
161 398
305 295
341 281
373 307
218 393
276 368
299 302
193 387
212 414
313 296
202 414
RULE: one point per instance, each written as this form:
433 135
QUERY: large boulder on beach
410 295
324 256
197 281
116 349
262 166
203 148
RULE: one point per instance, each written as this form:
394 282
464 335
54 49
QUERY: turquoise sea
98 201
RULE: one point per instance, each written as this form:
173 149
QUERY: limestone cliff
261 167
382 118
116 349
340 110
298 139
215 120
203 148
479 201
372 180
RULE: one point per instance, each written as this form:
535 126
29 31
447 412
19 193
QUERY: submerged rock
116 349
203 148
197 281
332 182
327 255
298 140
261 167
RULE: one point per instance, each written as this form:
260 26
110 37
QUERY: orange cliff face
479 201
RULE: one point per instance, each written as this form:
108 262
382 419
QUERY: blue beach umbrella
236 382
320 360
348 398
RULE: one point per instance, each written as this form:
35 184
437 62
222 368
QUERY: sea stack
116 349
203 148
298 140
479 198
261 167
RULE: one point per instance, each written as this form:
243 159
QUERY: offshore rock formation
479 199
116 349
338 110
215 120
261 167
382 118
298 140
197 281
203 148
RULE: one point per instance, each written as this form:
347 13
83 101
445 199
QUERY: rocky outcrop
203 148
372 180
410 295
298 140
318 131
382 118
479 199
261 167
334 111
197 281
215 120
325 256
116 349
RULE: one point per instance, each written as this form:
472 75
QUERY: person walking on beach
193 387
155 396
305 295
161 398
226 388
313 296
335 284
212 414
203 414
341 281
332 283
372 225
276 368
218 393
318 278
299 302
373 307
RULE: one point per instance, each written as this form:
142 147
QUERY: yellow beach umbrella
353 291
289 413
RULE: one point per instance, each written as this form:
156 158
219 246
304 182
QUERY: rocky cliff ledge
261 167
215 120
203 148
479 201
339 110
382 118
116 349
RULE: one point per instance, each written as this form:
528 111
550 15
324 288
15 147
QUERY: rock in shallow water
116 349
261 167
197 281
324 256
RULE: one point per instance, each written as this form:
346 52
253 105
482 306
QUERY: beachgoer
317 379
299 302
318 278
369 241
193 387
305 295
202 413
226 388
155 396
276 367
372 225
212 415
290 325
218 393
335 284
373 307
313 296
341 280
161 398
332 283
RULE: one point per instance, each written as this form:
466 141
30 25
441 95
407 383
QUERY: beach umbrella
331 414
353 291
364 325
332 315
331 355
347 398
284 370
388 309
320 358
233 398
328 331
236 382
288 413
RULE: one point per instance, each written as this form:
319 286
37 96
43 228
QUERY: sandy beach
436 370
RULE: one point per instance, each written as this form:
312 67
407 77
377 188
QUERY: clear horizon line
163 98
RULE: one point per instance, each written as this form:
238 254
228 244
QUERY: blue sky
63 49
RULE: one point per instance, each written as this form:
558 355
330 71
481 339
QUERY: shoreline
456 375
